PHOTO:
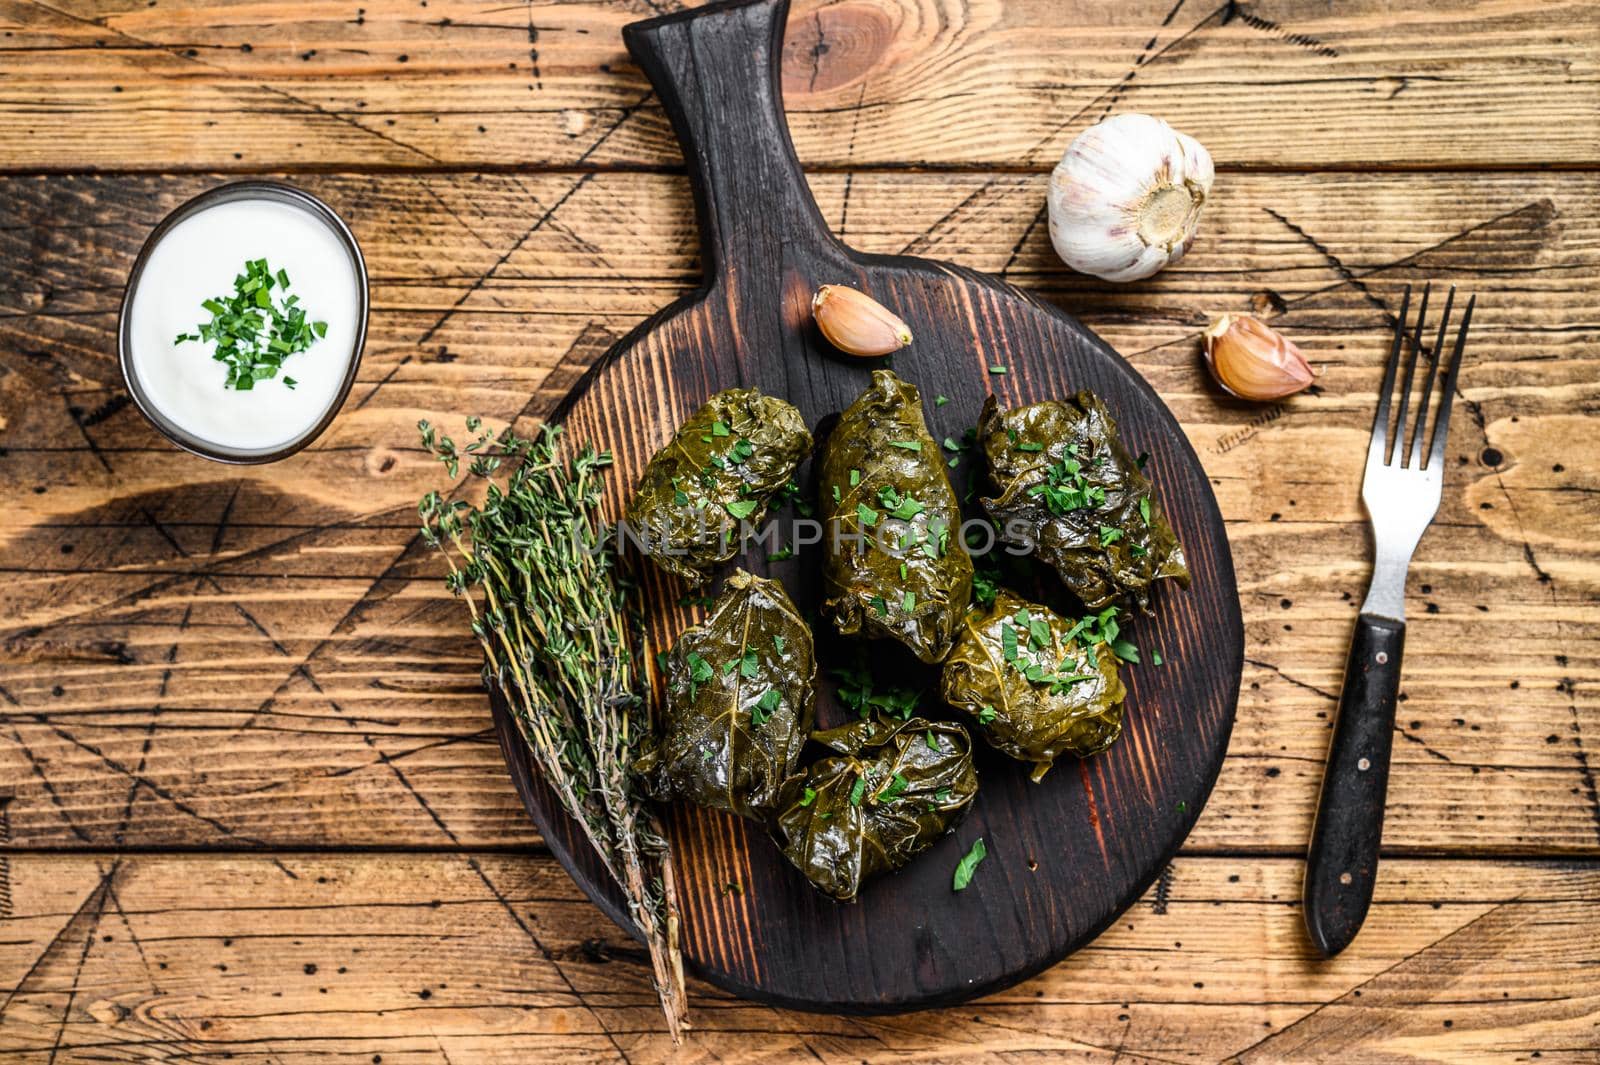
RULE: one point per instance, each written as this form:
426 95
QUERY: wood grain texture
482 957
193 658
106 563
117 84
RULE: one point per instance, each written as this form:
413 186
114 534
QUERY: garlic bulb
856 323
1252 360
1125 199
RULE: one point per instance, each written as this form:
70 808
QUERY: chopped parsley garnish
1109 535
720 428
700 672
1144 508
908 602
985 586
969 865
749 665
881 605
986 715
741 450
1066 488
778 643
939 401
782 554
743 508
997 369
809 797
858 691
858 790
906 445
790 493
867 515
764 706
255 331
1104 628
1155 657
902 507
1030 446
897 786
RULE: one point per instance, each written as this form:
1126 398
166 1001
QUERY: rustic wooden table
250 805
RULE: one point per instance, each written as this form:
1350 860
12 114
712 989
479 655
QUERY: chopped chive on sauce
257 327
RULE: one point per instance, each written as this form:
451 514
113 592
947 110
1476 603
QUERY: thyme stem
550 609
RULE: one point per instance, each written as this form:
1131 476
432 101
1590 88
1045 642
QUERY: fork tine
1399 451
1380 420
1441 429
1426 393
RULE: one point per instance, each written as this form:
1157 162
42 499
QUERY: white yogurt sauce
197 260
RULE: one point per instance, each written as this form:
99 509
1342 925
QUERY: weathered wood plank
271 959
123 84
159 609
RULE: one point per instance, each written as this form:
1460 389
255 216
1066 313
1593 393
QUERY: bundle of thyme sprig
551 609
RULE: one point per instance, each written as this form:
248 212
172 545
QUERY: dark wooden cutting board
1066 856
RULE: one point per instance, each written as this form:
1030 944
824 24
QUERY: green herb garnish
969 864
254 331
764 706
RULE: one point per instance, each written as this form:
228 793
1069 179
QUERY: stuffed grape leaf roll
1068 488
893 564
721 468
889 791
1037 685
740 702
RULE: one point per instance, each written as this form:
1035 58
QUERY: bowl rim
253 189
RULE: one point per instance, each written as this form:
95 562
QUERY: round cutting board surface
1066 855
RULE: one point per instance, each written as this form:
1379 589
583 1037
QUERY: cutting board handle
716 70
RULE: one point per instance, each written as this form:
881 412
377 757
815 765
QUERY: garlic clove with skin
1125 200
1252 360
857 324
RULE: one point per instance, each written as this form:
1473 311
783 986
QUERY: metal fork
1401 493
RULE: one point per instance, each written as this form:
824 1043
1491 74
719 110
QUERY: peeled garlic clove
856 323
1252 360
1125 199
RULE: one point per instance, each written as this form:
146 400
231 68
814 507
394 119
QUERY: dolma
892 564
740 703
1035 685
721 468
890 790
1068 489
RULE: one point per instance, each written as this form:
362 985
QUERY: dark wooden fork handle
1342 865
